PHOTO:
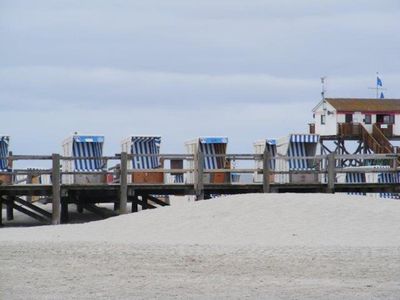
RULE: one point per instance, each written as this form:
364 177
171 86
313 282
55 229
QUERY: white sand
246 246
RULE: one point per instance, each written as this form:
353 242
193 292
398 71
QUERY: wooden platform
151 195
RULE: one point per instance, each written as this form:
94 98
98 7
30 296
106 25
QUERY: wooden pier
128 197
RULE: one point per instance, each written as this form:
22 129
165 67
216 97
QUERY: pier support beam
266 171
9 209
123 196
199 175
135 200
331 172
64 210
145 203
56 181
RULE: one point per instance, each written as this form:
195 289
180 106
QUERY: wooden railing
325 168
386 129
379 136
377 141
349 129
371 142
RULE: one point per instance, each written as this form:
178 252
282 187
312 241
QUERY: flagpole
377 87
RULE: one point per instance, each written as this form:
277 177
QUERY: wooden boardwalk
123 194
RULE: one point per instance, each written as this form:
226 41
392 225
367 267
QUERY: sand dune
256 219
286 246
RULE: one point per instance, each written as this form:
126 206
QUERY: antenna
323 87
323 91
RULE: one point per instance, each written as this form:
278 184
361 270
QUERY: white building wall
332 118
396 125
341 118
330 126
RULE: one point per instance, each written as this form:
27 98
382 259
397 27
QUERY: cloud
286 39
49 88
246 69
105 87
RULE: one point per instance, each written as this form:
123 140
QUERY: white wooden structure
330 112
209 146
143 145
292 147
84 146
5 165
259 148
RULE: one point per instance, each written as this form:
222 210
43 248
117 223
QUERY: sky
180 69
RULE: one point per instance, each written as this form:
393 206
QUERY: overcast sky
243 69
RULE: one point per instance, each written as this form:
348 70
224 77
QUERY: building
332 114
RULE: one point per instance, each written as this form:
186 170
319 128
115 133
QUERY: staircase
377 141
380 137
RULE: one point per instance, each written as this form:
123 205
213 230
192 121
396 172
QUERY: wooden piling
9 209
64 210
56 181
199 175
145 203
123 195
331 172
266 171
134 203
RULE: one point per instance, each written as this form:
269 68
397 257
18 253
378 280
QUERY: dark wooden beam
9 209
33 207
100 211
28 212
64 210
157 201
134 202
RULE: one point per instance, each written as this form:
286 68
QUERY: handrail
382 138
323 175
321 165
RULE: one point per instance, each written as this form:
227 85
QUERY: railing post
123 192
198 175
331 172
56 181
266 171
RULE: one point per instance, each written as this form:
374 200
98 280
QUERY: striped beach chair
298 147
4 165
355 177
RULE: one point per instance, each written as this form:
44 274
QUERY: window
385 119
322 119
367 119
388 119
349 118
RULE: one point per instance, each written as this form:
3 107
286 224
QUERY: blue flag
382 95
378 81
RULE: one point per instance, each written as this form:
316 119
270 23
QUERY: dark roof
364 104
